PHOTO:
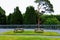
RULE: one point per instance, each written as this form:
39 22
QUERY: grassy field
26 38
32 32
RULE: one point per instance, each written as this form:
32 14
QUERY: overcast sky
9 5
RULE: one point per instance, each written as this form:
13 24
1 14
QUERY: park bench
38 30
18 30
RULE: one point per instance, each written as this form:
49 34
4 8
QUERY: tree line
29 17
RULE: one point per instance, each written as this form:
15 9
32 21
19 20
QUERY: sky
9 5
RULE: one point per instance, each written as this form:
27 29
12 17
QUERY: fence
31 26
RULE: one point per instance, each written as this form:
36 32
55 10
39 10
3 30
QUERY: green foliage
30 16
51 21
48 8
57 16
2 11
17 17
8 19
2 16
37 1
44 17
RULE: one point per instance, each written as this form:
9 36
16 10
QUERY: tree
30 16
2 17
44 17
57 16
43 7
8 18
17 17
51 21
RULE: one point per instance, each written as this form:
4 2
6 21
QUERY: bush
51 21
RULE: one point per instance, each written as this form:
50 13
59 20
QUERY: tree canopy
2 16
30 16
51 21
46 4
17 17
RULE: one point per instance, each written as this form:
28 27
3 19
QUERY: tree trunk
38 17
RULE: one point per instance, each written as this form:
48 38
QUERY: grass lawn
32 32
26 38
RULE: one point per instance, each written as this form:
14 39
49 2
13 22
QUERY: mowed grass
32 32
26 38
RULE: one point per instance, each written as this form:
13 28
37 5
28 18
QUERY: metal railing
31 26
